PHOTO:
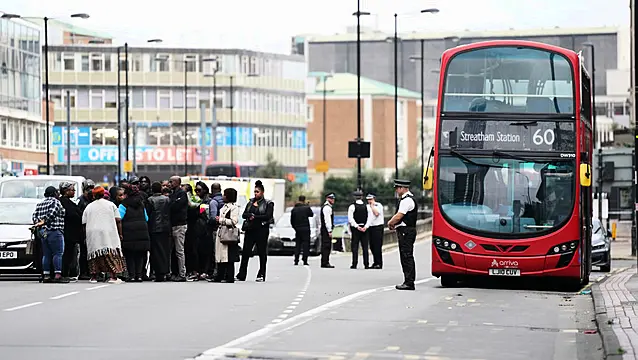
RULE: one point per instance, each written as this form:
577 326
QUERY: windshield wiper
502 154
470 161
525 123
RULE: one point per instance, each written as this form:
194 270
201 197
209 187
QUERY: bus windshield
505 196
509 79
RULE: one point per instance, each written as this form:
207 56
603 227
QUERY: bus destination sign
508 135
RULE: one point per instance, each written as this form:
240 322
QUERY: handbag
228 234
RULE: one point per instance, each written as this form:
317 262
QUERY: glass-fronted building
22 128
266 101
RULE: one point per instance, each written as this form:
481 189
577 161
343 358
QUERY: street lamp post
213 106
324 120
396 90
422 61
358 14
232 124
46 73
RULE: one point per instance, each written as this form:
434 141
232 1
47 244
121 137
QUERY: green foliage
274 170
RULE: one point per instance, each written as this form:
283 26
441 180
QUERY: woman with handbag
227 242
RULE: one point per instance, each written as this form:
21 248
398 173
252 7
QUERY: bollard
613 231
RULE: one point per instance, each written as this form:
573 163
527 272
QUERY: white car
32 187
15 236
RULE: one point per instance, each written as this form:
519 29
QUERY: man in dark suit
299 219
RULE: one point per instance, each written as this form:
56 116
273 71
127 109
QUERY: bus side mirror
585 175
428 179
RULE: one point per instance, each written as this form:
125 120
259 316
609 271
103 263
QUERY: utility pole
634 83
68 132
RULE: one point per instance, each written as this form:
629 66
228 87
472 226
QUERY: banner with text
143 155
508 135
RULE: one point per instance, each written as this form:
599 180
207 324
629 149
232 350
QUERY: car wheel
607 267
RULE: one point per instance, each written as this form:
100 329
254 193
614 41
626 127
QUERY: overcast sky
269 25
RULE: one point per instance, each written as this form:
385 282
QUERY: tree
274 170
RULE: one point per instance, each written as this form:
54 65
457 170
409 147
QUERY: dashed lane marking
23 306
64 295
96 287
392 348
293 305
278 326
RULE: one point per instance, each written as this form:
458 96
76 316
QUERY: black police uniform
360 216
407 237
326 240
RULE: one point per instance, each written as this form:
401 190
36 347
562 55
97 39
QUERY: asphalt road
300 312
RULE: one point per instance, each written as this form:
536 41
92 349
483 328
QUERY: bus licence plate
505 272
8 255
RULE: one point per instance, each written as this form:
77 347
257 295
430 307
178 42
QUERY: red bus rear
511 163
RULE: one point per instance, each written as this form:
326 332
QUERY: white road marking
23 306
64 295
296 301
96 287
295 321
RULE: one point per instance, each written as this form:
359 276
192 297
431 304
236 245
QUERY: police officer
327 224
404 221
375 230
358 221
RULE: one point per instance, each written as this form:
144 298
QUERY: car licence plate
505 272
8 255
289 244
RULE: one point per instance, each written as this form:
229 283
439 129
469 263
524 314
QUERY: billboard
143 155
80 135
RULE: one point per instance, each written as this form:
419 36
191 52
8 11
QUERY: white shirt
372 219
351 221
406 205
327 216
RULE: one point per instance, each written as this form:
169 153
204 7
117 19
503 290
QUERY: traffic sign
128 166
322 167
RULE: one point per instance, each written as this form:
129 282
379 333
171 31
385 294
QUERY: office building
22 125
377 126
266 101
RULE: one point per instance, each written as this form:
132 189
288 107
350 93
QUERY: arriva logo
505 263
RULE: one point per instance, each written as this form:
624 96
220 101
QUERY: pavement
621 246
300 312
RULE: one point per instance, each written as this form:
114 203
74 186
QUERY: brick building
377 125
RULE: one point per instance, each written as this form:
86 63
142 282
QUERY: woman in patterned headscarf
73 233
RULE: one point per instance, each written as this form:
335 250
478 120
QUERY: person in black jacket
159 228
135 238
179 209
299 219
85 199
258 216
73 231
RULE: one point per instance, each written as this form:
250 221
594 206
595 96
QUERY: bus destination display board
508 135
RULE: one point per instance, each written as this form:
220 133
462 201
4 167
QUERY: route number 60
547 138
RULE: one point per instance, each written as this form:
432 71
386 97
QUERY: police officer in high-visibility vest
404 222
327 225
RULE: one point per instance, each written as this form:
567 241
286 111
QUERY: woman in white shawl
225 254
101 219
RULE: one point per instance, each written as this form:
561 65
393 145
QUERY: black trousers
359 237
84 262
135 263
191 247
206 253
375 235
407 237
70 260
326 247
258 237
160 253
226 270
302 238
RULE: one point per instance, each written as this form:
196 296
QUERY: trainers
115 281
179 279
93 280
260 279
193 277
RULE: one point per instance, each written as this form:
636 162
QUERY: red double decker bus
512 174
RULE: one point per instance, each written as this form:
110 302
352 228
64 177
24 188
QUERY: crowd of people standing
150 231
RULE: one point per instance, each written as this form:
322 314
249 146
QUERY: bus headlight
447 245
563 248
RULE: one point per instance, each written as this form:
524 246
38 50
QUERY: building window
69 62
178 98
29 138
107 62
244 65
3 130
191 99
191 63
310 113
97 99
136 62
151 99
96 62
311 151
110 99
253 65
162 61
165 99
85 63
138 99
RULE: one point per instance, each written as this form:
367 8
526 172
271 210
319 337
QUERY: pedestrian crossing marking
570 331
